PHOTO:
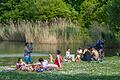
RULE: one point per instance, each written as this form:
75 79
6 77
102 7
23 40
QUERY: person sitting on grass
41 65
20 65
57 64
86 55
69 56
79 54
50 58
95 54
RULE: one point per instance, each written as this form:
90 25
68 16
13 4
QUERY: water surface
10 51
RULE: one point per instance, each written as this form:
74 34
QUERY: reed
58 30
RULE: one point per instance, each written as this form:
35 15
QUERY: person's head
31 43
58 52
93 48
50 54
40 60
79 48
26 44
83 50
20 60
68 49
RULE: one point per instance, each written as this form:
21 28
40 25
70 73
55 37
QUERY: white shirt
80 51
67 54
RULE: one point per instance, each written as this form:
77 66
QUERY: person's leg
88 57
77 59
52 66
26 59
73 57
30 59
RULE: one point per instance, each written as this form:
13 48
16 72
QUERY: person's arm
84 51
77 52
90 52
26 49
17 66
58 60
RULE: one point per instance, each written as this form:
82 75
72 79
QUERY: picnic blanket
7 68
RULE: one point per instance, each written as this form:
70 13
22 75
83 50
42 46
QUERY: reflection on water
12 48
18 47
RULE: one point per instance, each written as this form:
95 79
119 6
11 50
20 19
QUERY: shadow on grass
54 76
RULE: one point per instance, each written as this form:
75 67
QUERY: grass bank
107 70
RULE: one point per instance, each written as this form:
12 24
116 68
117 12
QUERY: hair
68 48
40 60
26 43
79 48
19 59
58 52
31 43
83 50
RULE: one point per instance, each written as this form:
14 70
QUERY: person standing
30 47
26 51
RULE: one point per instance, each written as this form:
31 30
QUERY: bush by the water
83 13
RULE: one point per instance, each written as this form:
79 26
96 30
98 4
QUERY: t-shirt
67 54
44 63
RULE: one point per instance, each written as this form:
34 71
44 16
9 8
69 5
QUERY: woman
30 47
69 56
26 53
58 61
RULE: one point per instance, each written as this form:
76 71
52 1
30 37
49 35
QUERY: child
41 65
20 65
50 58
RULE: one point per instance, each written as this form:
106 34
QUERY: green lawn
109 69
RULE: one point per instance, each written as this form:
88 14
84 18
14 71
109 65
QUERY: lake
10 51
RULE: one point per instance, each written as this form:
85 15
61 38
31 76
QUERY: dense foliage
34 9
90 14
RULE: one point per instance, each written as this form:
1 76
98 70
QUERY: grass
107 70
